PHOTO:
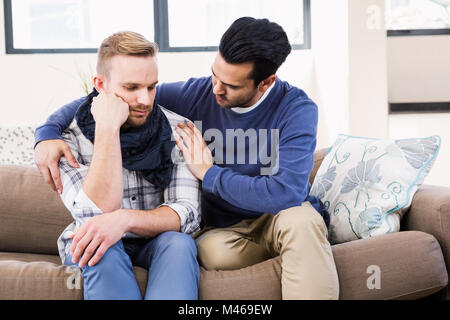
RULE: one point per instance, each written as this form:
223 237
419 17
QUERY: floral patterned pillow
367 184
16 145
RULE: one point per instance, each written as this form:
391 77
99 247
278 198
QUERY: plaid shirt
182 194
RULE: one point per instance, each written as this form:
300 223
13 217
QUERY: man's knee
115 256
304 217
176 242
213 252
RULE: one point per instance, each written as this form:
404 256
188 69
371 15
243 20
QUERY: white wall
331 67
352 71
419 71
367 69
38 84
34 85
349 49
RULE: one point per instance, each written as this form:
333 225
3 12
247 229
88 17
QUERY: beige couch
414 263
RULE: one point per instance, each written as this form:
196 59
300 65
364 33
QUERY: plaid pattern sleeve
183 194
73 196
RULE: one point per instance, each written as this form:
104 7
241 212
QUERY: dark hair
255 40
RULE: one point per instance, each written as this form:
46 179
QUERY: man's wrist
124 219
204 171
209 178
106 129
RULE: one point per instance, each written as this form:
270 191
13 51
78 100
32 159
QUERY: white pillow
367 184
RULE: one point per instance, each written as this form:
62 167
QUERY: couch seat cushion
411 266
40 277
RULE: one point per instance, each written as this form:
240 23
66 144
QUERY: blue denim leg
171 259
112 278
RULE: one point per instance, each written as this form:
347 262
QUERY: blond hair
123 43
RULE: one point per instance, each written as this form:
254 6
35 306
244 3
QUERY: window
44 26
417 17
197 25
71 26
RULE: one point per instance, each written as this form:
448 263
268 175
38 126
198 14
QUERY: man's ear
99 83
266 83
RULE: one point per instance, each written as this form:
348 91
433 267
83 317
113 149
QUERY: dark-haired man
255 200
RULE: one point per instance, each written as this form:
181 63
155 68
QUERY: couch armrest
430 213
319 155
32 216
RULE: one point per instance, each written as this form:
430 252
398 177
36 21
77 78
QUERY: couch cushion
261 281
367 184
32 215
16 144
411 266
430 213
37 277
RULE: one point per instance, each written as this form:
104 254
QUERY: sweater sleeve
288 185
57 122
184 98
167 95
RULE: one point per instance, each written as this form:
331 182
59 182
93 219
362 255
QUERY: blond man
131 204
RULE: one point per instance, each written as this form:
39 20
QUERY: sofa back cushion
32 215
16 144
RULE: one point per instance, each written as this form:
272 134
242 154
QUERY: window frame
161 21
162 30
417 32
9 38
419 107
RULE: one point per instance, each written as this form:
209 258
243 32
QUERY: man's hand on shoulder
46 156
195 151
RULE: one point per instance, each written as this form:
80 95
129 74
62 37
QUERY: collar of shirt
248 109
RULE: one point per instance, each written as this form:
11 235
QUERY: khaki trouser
298 235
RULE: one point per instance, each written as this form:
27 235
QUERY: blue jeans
171 261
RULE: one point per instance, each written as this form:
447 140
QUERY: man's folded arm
179 212
97 188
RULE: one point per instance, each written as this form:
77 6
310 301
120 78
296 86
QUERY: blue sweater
263 158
